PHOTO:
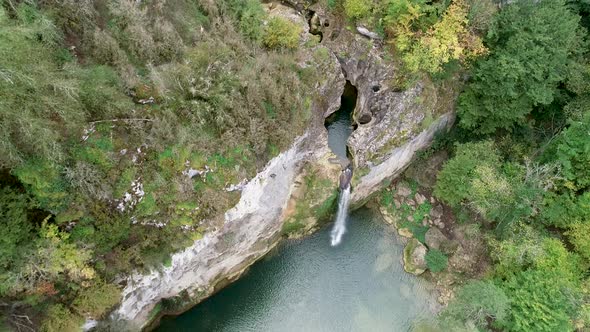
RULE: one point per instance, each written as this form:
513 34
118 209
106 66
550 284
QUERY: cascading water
340 225
340 127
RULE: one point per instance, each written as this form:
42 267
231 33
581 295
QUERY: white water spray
340 225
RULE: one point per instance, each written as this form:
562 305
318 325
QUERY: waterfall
340 225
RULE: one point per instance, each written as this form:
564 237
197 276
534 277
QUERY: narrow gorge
298 188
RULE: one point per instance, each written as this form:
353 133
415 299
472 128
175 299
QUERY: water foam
339 228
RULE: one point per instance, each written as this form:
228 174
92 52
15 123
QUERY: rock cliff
391 128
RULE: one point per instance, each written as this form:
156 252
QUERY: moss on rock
414 257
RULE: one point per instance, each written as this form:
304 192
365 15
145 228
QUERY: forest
520 150
106 106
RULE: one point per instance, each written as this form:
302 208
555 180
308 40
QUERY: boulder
420 199
367 33
405 232
435 239
403 190
437 211
386 216
414 257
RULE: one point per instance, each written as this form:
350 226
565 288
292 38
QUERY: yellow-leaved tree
447 40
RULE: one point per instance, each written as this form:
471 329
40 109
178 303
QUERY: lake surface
308 285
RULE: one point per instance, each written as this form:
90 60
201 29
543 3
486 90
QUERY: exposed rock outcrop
435 239
392 125
369 34
250 230
414 257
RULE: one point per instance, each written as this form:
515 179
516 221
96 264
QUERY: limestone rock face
255 225
435 239
414 257
393 121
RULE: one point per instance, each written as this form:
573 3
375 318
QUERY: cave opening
315 25
340 125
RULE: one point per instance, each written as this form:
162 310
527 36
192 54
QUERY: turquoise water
308 285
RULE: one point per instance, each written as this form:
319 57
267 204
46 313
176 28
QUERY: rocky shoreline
423 223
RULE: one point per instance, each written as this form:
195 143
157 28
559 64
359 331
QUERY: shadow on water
311 286
339 124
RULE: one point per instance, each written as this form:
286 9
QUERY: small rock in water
415 257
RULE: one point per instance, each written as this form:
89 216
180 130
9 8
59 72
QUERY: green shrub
44 181
565 209
422 211
291 227
579 235
15 229
539 301
332 4
101 93
477 302
436 260
454 180
517 78
38 101
282 33
97 299
147 206
96 151
357 9
59 319
251 20
571 152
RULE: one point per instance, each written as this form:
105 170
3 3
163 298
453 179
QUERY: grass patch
405 210
327 207
155 311
291 227
436 260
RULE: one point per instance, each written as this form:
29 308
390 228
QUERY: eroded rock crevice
340 125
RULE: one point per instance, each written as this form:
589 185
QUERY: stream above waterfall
339 124
308 285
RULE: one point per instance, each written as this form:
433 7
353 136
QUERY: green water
307 285
339 124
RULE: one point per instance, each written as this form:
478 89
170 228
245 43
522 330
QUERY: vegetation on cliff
519 170
519 152
122 123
